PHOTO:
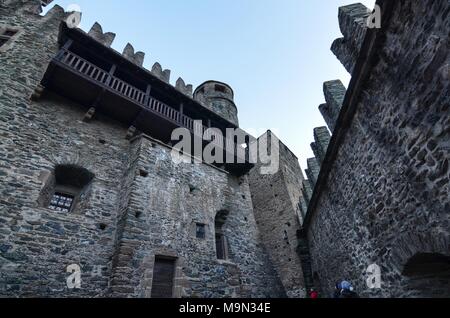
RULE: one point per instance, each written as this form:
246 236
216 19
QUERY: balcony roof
110 55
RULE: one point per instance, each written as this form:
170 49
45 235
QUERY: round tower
218 97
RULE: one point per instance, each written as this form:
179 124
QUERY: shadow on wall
428 275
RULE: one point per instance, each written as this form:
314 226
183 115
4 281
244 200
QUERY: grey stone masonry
334 92
139 203
315 150
37 243
137 58
163 75
322 139
306 197
313 171
160 204
353 25
24 6
307 190
303 207
218 97
277 206
182 87
96 32
385 198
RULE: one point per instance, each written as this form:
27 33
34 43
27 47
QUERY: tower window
201 231
6 35
61 202
220 88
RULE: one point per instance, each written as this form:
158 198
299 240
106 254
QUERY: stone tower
276 198
219 97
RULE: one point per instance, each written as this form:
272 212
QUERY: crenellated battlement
353 25
334 92
107 38
96 32
31 6
137 58
321 141
306 196
163 75
182 87
313 170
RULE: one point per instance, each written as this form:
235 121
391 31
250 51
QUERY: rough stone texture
387 195
182 87
105 38
158 216
137 58
219 98
334 92
139 204
163 75
322 139
306 196
313 171
24 6
276 200
353 25
37 244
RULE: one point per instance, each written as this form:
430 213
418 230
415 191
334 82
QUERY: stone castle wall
138 205
277 212
386 197
161 219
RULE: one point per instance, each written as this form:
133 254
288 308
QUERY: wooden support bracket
89 115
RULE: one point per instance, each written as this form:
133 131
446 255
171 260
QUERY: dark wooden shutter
163 274
220 246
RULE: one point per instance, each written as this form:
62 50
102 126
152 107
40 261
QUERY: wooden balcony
94 87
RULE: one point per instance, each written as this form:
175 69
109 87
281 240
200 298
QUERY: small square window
201 231
9 33
6 35
61 202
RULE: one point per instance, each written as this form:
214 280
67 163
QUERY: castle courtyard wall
386 197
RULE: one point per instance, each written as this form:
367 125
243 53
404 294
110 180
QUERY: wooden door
163 275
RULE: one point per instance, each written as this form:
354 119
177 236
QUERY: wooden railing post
110 74
147 94
180 119
128 91
64 48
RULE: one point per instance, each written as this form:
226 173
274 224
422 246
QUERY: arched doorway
428 275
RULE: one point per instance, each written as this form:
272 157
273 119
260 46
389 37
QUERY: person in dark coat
337 290
347 290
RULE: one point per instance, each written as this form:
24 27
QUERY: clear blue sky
274 53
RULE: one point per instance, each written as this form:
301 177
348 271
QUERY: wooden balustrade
102 77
